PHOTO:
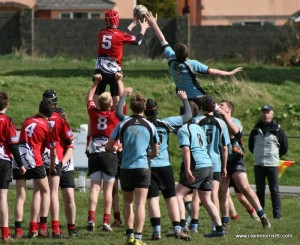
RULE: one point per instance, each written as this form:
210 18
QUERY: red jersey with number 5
102 124
8 135
36 135
111 42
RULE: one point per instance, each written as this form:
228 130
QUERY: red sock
117 216
55 226
71 227
33 226
250 210
235 217
91 216
106 218
5 232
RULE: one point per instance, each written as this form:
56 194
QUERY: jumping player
182 69
111 41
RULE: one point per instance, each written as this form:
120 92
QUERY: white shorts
99 175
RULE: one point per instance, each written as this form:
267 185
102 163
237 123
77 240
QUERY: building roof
74 4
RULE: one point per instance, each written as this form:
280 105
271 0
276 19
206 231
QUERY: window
80 15
65 15
94 16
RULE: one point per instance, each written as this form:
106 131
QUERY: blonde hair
104 101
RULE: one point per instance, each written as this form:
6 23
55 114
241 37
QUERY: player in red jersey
111 41
64 149
37 134
8 150
102 165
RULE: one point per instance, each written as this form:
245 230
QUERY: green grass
289 225
25 78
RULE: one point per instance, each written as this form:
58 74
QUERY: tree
164 9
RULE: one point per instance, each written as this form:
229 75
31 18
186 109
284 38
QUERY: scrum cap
51 95
112 18
208 103
151 108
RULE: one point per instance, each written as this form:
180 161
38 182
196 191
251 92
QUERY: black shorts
134 178
236 165
5 174
67 179
217 176
162 179
36 173
203 179
17 175
107 79
106 162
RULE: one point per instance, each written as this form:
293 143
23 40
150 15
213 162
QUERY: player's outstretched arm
217 72
119 113
153 23
98 78
131 25
187 114
144 26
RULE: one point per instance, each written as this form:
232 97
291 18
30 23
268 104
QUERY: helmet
208 103
112 18
47 107
51 95
151 108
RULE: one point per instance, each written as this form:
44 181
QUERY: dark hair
151 108
61 112
47 107
181 52
138 103
207 103
3 100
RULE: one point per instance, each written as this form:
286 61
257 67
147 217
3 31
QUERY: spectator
267 143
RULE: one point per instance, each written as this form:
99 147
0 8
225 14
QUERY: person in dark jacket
267 143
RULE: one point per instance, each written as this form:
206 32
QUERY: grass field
25 78
288 226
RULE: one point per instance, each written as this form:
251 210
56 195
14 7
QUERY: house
239 12
70 9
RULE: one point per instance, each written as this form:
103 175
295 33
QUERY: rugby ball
139 12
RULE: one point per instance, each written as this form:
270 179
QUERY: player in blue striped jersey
138 135
182 69
217 139
197 173
162 177
236 168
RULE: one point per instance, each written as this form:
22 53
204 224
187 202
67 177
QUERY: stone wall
78 38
